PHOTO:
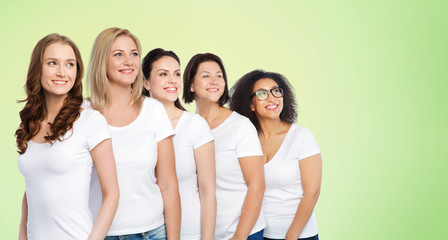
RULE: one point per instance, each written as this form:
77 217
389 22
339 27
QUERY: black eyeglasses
263 94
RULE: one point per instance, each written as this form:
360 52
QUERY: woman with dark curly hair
59 142
293 165
239 165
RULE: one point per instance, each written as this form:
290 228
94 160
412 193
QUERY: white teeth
171 89
271 106
59 82
126 71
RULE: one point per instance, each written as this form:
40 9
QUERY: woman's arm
23 219
205 167
167 181
253 172
311 172
103 158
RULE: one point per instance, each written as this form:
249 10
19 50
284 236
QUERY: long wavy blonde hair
97 75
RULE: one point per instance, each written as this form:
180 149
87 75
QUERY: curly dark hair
34 111
241 96
192 69
147 62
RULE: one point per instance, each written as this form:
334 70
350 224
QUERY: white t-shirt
191 132
235 138
284 184
140 208
57 179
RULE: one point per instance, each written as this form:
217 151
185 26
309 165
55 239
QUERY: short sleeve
248 142
162 123
98 130
307 144
201 133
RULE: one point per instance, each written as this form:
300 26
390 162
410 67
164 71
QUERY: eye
177 74
52 63
70 64
205 76
163 74
260 93
118 54
219 76
134 54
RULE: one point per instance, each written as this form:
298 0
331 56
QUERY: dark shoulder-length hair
147 62
34 111
241 99
192 69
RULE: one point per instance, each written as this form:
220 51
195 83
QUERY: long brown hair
34 111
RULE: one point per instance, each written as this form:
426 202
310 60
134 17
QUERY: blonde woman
142 141
193 145
59 142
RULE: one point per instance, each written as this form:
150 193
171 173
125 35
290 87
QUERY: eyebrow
50 58
274 87
167 70
135 49
210 72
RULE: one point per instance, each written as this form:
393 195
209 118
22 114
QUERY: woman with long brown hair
59 142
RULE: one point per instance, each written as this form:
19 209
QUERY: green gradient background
370 79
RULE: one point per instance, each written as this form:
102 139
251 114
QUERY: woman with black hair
193 146
239 165
293 165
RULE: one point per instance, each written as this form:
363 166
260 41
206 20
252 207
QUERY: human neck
120 96
207 110
53 105
270 127
172 111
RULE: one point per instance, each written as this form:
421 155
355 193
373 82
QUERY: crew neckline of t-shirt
135 120
224 122
180 121
81 114
291 128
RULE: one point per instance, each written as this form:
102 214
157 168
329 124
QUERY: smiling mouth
272 107
126 71
171 89
213 89
60 82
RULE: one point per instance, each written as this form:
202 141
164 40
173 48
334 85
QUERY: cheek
137 65
73 73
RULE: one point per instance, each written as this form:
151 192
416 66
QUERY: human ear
146 85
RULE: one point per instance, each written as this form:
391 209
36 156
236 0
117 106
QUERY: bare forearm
303 214
208 215
249 213
105 216
171 202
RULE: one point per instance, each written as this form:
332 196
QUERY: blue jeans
155 234
315 237
256 236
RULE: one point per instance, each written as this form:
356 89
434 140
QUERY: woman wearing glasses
293 165
239 164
